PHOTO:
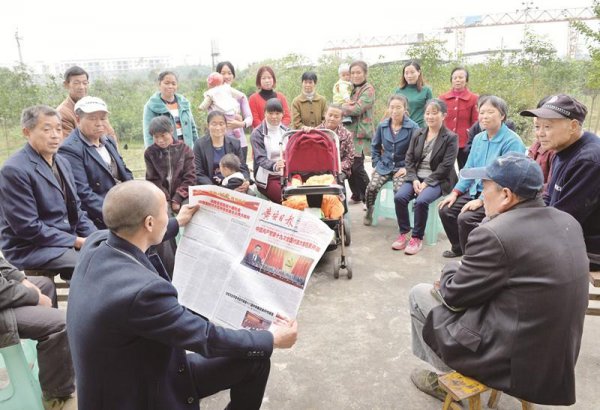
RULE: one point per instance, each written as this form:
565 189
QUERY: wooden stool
594 305
460 387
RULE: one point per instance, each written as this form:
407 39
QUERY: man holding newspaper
129 334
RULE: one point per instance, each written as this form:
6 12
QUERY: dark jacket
388 151
177 160
93 178
12 294
523 285
129 335
443 156
203 158
574 186
35 223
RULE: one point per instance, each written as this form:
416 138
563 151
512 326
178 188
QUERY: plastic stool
24 391
384 206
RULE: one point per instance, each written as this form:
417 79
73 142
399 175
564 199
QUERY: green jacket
361 113
155 106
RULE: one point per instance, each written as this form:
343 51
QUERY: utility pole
17 38
214 52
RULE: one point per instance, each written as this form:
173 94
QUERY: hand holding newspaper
244 262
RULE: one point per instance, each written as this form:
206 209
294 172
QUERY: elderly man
27 311
96 163
573 186
510 315
77 84
42 225
129 334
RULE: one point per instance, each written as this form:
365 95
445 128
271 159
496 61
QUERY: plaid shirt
347 152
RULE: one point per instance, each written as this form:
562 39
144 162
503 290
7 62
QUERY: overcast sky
245 30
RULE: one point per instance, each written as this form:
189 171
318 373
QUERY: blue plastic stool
385 207
24 391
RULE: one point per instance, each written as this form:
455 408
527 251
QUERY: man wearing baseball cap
573 186
96 163
510 314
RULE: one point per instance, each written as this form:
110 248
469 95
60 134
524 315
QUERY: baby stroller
310 154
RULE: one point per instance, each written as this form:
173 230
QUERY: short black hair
460 68
73 71
309 75
273 105
160 125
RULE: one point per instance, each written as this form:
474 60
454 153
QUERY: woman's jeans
421 207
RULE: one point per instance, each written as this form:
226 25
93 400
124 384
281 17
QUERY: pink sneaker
414 246
400 242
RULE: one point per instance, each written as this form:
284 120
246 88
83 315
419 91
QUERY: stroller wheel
348 267
347 236
336 268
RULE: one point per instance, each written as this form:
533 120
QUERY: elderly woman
267 149
360 110
209 150
389 149
414 89
333 122
225 68
462 210
266 82
462 110
429 174
167 102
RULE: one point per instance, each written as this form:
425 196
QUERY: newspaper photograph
242 260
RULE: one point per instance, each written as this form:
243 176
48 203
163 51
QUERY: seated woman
388 149
209 150
461 211
429 174
267 149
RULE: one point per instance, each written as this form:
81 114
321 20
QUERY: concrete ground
353 349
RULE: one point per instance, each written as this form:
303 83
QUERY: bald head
127 205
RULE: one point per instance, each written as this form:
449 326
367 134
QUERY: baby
222 97
230 168
343 89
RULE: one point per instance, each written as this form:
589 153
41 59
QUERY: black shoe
452 254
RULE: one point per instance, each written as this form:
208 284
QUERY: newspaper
242 260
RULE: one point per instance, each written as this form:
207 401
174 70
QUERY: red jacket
257 107
462 113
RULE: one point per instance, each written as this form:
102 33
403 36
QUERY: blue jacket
35 225
92 177
155 107
129 335
394 148
574 186
484 152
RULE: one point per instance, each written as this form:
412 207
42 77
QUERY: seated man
96 163
41 223
129 334
26 312
573 186
511 314
76 83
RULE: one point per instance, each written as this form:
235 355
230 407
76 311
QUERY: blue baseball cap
514 171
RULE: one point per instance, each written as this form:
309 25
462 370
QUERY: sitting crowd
87 220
